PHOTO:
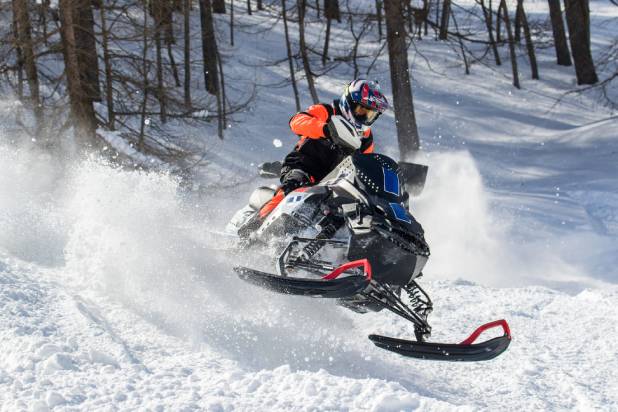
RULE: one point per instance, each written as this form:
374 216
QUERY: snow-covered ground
115 294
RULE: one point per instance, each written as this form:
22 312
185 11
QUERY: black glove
294 179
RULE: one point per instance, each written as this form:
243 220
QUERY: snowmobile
352 238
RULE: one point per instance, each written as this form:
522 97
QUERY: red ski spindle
505 326
350 265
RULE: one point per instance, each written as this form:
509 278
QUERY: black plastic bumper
335 288
444 351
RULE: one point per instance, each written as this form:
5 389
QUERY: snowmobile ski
466 351
330 286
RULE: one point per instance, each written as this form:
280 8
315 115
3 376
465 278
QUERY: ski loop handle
350 265
505 327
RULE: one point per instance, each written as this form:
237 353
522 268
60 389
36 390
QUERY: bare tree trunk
145 85
509 32
260 5
354 48
490 31
220 116
223 98
87 57
426 22
419 18
83 115
437 17
331 11
499 18
210 53
578 21
461 47
170 56
409 15
379 18
331 8
290 56
518 22
407 131
249 11
187 53
107 63
209 48
446 14
529 45
160 86
335 10
19 54
560 41
232 22
218 6
44 10
326 41
301 5
24 32
168 26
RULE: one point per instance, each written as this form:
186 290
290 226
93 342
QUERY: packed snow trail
115 294
67 348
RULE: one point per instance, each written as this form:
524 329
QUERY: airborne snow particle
277 143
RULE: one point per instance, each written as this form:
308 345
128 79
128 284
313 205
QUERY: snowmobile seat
260 197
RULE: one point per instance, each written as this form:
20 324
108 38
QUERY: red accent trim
301 189
369 149
505 326
365 94
346 266
272 203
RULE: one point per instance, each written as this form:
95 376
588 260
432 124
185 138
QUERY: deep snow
116 291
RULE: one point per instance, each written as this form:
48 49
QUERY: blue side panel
400 212
391 181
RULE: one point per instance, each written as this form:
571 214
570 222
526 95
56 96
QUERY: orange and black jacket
314 154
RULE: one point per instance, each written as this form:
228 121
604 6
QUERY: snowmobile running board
466 351
330 286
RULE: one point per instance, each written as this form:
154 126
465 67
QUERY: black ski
467 351
335 288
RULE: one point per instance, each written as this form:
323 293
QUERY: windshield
379 175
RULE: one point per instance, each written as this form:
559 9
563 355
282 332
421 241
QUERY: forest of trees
117 65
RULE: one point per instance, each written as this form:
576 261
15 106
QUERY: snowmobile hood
379 175
381 179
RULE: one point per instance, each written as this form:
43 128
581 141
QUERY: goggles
365 114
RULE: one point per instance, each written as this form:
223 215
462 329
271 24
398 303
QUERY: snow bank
117 293
32 225
472 236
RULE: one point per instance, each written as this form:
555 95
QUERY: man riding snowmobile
349 236
317 152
